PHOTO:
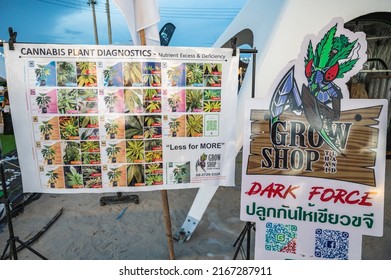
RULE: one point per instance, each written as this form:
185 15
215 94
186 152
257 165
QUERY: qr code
331 244
281 238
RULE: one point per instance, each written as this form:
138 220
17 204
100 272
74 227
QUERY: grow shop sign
313 156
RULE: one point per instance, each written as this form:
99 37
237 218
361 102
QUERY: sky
199 23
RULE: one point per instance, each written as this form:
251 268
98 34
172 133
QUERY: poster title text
86 52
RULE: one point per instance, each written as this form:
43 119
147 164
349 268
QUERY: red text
341 195
272 190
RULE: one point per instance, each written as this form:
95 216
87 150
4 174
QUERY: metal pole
254 69
249 226
254 61
109 22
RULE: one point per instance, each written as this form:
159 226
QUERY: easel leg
5 250
13 252
239 241
197 210
11 243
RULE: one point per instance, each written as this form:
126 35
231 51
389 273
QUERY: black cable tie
233 46
12 38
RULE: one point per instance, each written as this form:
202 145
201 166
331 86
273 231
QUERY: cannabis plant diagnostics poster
122 118
315 159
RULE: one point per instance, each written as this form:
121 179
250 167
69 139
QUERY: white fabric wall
279 27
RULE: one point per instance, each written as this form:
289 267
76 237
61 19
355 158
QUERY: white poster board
122 118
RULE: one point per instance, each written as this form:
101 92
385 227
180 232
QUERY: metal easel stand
239 241
12 240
